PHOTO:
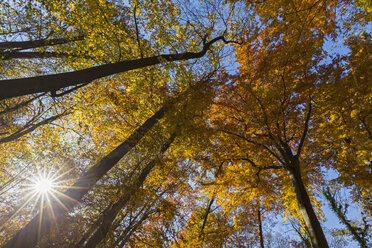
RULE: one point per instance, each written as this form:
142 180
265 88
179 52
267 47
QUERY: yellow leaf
354 113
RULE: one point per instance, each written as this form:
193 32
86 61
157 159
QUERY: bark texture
316 233
111 213
53 82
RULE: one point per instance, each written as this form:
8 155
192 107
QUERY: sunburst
43 185
42 189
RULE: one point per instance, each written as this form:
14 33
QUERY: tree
77 30
270 109
360 234
346 116
73 36
30 233
111 213
54 82
252 143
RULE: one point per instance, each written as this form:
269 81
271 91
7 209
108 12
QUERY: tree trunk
260 225
48 217
52 83
316 234
110 215
338 211
205 217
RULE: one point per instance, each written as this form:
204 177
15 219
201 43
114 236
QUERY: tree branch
21 45
205 217
36 55
255 143
23 86
30 129
20 105
306 127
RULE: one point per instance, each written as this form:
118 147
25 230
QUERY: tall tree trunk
52 83
337 209
205 217
260 224
48 217
316 234
111 213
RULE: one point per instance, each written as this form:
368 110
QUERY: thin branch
208 210
306 127
17 135
272 167
20 105
205 217
137 31
21 45
55 94
255 143
263 110
37 55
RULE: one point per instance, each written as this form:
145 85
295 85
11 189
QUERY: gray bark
53 82
316 233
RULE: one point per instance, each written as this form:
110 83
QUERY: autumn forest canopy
160 123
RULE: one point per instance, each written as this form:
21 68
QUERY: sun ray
44 191
41 206
56 176
66 196
50 207
58 200
36 201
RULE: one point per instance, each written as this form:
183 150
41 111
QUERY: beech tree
76 25
131 124
358 233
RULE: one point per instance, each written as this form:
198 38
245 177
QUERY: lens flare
44 190
43 185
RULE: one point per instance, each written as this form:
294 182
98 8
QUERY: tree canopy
185 124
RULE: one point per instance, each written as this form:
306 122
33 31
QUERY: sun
43 185
43 190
